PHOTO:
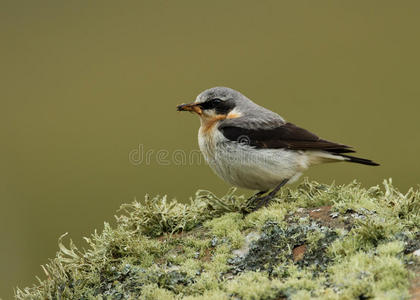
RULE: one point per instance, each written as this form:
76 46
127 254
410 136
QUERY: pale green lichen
373 273
354 243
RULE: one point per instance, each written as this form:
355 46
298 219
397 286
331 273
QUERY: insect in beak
192 107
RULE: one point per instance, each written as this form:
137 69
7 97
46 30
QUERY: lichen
314 242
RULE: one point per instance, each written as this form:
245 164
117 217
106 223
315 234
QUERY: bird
252 147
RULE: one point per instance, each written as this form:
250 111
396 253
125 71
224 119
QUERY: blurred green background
83 84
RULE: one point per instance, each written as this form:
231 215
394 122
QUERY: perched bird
252 147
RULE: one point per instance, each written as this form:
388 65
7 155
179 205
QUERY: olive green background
85 83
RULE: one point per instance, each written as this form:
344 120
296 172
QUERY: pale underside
251 168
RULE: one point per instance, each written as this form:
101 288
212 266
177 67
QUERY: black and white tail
324 156
359 160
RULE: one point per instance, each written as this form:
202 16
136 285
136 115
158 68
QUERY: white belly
250 168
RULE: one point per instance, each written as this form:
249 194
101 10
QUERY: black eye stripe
210 104
221 107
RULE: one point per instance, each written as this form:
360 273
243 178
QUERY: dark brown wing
288 136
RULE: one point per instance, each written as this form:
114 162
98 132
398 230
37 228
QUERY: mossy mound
314 242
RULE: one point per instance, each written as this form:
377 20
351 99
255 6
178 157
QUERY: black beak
189 107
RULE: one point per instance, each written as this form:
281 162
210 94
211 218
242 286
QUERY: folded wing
287 136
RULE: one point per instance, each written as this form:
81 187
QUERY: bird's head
217 102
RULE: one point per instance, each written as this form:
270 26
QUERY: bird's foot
251 202
256 196
259 202
256 202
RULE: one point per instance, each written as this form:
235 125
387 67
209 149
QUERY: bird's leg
263 201
255 196
251 202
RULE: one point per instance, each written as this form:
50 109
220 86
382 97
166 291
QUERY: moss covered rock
314 242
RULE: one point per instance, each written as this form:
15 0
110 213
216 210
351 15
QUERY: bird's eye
211 103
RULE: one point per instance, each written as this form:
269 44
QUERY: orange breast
209 123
